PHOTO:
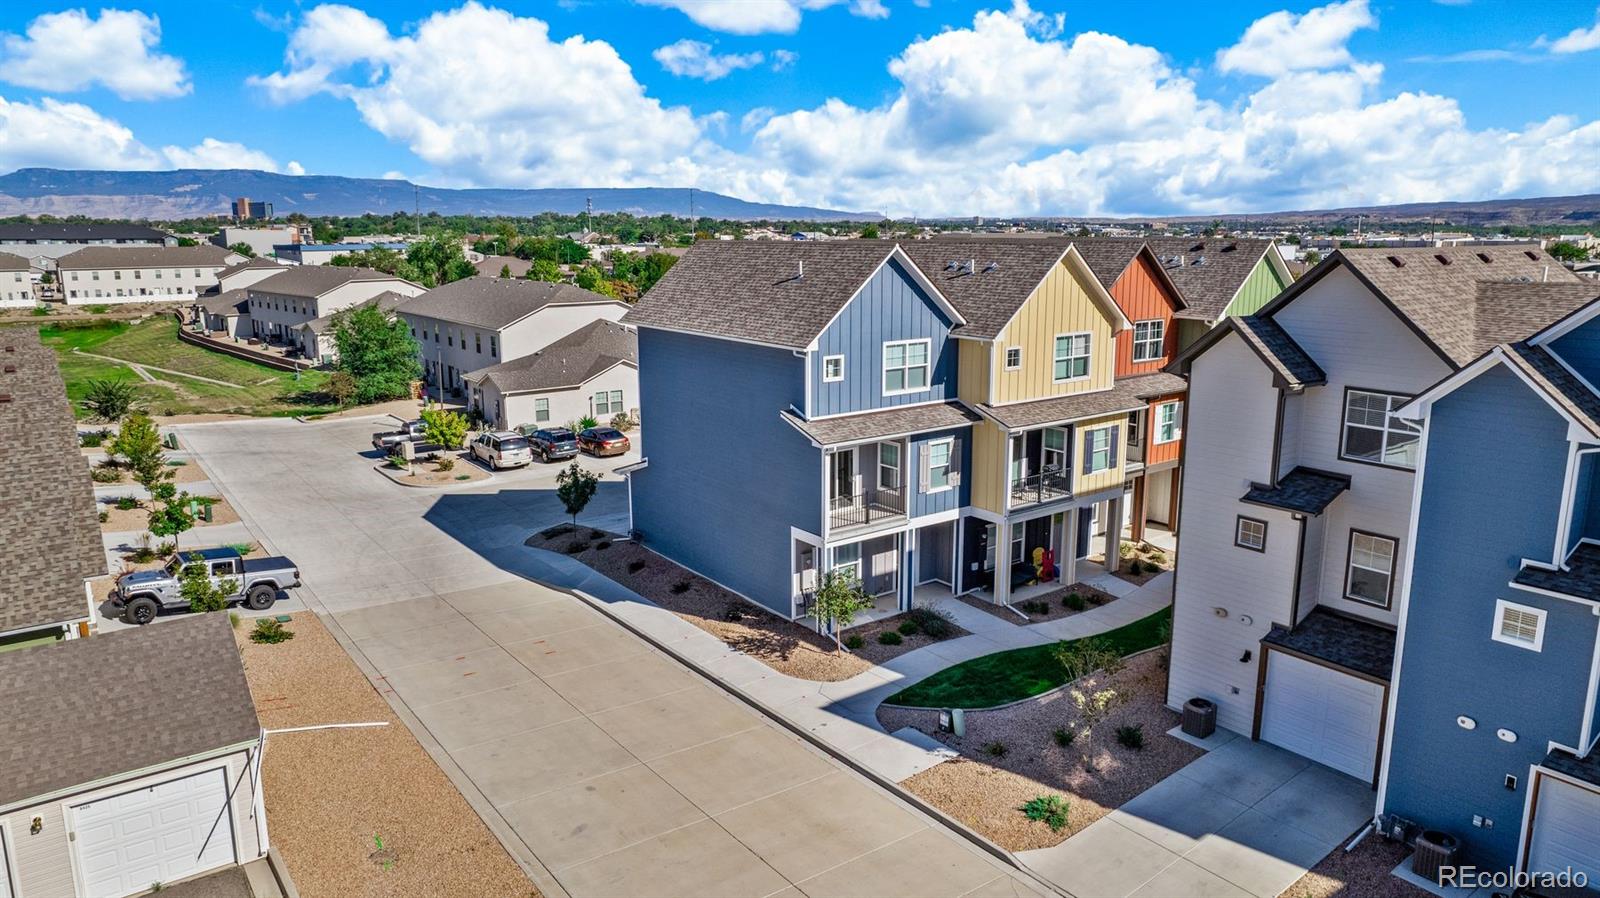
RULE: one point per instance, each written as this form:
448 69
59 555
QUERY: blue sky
932 108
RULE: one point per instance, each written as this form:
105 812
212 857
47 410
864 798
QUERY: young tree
438 262
243 249
505 271
138 443
341 387
378 352
448 429
545 270
1567 252
110 400
196 587
575 487
838 600
870 232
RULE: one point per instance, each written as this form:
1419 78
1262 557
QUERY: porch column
1113 521
1067 551
1141 503
1002 564
908 569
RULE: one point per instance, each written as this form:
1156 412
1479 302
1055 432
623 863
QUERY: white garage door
1566 829
1327 716
156 834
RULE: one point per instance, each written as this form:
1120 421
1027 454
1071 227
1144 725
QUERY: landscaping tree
870 232
591 278
448 429
242 249
837 602
1567 252
505 271
196 587
435 262
173 517
138 443
378 352
110 400
545 270
341 387
575 487
1093 707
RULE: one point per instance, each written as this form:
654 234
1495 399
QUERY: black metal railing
866 507
1045 486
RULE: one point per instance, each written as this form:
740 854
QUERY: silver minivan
502 449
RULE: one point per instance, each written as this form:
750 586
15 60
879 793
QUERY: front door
842 478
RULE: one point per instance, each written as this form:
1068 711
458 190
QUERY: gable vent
1397 262
1443 259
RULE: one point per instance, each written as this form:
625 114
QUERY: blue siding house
1493 724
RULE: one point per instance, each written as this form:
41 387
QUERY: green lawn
1006 677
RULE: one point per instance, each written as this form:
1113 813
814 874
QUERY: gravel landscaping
1045 607
1011 755
332 795
1363 872
1152 560
426 473
789 647
123 520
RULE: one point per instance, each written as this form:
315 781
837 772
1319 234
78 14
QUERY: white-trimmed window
905 366
1169 421
1013 358
1099 452
1373 433
1149 340
1250 533
941 461
541 411
1370 577
1518 625
888 466
832 369
607 403
847 561
1018 547
1071 358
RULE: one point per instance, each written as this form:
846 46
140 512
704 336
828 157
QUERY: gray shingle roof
1356 645
1508 312
228 302
12 262
103 257
1303 490
885 423
120 702
255 262
1108 257
386 301
51 534
1581 579
1585 769
1280 351
568 362
311 281
46 233
1559 383
1003 274
1129 394
1208 270
490 266
493 303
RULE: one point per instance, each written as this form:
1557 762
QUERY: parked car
141 595
553 443
598 441
411 432
502 449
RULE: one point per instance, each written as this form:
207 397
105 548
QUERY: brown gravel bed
789 647
984 791
1362 873
1054 609
1144 553
427 474
330 793
120 520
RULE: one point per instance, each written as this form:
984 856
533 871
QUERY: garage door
1330 717
1566 829
159 833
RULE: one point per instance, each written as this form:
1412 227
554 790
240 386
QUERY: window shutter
1116 434
955 462
922 468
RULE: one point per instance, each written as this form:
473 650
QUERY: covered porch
1039 553
897 570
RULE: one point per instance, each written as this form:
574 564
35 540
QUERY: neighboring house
246 273
316 337
129 759
96 275
1494 717
261 241
16 282
477 322
1298 480
282 304
225 314
323 253
44 243
591 372
491 266
1220 277
52 545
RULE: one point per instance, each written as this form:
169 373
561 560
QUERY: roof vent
1199 260
1229 248
11 369
1397 262
1484 258
1531 254
952 265
992 266
5 397
802 270
1443 259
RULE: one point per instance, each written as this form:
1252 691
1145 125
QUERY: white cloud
69 51
214 153
784 59
1285 42
1578 40
294 168
761 16
54 134
695 59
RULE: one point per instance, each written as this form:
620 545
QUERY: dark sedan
598 441
553 443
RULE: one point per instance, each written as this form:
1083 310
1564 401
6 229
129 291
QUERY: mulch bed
1152 560
426 473
1362 872
984 789
1046 607
120 520
789 647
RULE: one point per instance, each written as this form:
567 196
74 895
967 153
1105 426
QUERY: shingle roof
1303 490
1559 383
1002 275
12 262
314 280
493 303
885 423
1280 351
386 301
568 362
103 257
1580 579
1586 769
1508 312
256 262
490 266
753 289
1356 645
1208 270
51 537
68 232
1108 257
120 702
1129 394
228 302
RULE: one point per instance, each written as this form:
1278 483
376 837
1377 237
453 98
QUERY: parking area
605 766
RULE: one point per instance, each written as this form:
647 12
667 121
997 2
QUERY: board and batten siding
889 307
1580 348
1085 484
975 359
1060 305
1484 501
1261 287
1142 297
1161 453
1229 445
987 471
1359 343
957 497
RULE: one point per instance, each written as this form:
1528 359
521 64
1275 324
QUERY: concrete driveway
607 768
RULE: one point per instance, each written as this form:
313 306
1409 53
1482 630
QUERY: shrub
242 548
1098 598
1074 602
622 421
1082 657
586 422
105 473
733 614
681 587
603 545
99 309
1051 810
41 310
269 632
995 749
92 439
908 627
1124 549
127 503
1131 736
598 534
635 567
110 400
105 516
463 476
889 637
935 623
1063 736
166 548
444 463
854 641
575 547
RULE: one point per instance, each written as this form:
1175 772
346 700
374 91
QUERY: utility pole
416 208
691 208
588 213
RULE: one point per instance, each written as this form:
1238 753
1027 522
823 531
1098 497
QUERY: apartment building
16 282
98 275
1220 277
279 306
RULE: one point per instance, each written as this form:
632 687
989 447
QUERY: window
196 273
1371 575
940 457
477 342
1169 421
1055 450
450 338
1149 340
1250 533
1072 357
832 369
905 366
158 274
1374 434
607 403
137 274
1518 625
1099 449
1017 545
494 346
847 561
1013 358
888 466
541 410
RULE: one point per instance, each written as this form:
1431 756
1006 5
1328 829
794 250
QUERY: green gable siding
1259 288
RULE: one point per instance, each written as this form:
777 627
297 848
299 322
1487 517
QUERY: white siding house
16 282
281 305
96 275
591 372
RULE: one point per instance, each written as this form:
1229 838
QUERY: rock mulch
426 473
1046 606
1010 755
332 794
789 647
1364 872
1152 560
124 520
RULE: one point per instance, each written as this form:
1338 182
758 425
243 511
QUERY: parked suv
598 441
502 449
553 443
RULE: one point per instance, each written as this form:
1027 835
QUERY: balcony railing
866 507
1045 486
1133 455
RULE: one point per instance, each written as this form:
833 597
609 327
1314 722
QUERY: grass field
247 388
1006 677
